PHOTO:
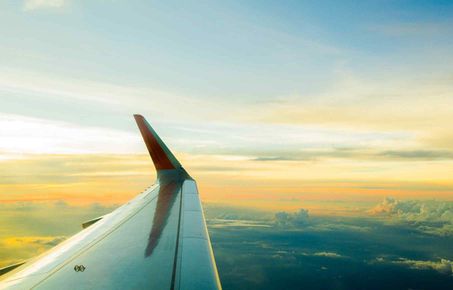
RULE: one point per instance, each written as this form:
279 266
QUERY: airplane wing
158 240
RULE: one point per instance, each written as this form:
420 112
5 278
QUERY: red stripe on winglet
158 155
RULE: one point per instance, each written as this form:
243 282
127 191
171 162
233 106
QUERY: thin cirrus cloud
67 96
362 102
414 29
43 4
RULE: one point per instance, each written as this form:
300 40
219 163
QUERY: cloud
337 226
418 154
285 219
44 4
325 254
388 206
362 103
429 216
75 178
356 154
51 242
51 206
224 213
276 158
416 210
427 29
34 227
57 96
328 254
223 223
21 248
221 216
32 241
22 134
443 266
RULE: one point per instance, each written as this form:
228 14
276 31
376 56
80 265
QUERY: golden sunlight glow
274 185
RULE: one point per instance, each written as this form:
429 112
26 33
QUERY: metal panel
137 254
197 269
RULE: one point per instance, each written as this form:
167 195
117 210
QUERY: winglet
162 157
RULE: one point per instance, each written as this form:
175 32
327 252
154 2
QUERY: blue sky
232 52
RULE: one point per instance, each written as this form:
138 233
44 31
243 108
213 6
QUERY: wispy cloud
33 241
355 154
78 179
443 266
358 102
328 255
44 4
19 248
418 154
27 135
424 29
105 96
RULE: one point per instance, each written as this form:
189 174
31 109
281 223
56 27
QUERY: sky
319 132
315 104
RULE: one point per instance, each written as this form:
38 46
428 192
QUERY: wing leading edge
158 240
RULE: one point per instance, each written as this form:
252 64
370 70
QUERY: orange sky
325 186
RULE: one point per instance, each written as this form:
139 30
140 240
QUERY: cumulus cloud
292 219
430 216
40 4
416 210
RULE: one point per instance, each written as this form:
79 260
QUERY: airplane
158 240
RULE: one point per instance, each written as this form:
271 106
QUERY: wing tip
160 154
138 116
